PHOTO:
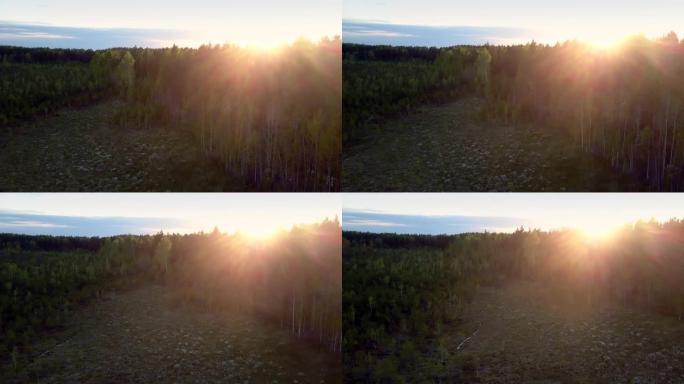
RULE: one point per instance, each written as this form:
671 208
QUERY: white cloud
377 223
377 33
29 223
21 34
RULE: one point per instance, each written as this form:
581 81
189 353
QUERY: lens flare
606 44
598 232
258 232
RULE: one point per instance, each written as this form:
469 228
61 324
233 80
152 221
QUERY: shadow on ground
141 336
78 149
447 148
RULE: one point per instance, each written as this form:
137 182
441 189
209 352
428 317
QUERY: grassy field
522 333
448 148
79 149
143 335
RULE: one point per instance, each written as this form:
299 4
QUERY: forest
623 105
270 118
292 280
406 289
384 80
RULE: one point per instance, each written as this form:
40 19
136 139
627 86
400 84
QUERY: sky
451 22
156 23
96 214
435 213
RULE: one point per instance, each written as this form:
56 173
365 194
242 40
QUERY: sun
606 43
266 44
258 232
597 232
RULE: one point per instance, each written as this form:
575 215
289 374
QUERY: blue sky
154 23
500 212
95 214
434 36
57 225
28 35
547 21
368 221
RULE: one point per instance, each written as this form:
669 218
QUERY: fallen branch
466 339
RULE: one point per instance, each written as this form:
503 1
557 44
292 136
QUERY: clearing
141 336
523 335
77 149
447 148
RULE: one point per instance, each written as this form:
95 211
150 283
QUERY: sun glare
606 44
258 233
597 232
263 45
265 42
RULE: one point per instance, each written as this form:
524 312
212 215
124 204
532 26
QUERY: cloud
22 33
14 223
376 33
382 33
368 221
42 35
40 224
352 221
361 30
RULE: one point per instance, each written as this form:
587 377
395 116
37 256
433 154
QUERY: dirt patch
78 149
447 148
143 337
523 335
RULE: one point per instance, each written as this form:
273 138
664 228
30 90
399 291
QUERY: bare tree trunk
313 314
582 127
662 171
301 314
293 313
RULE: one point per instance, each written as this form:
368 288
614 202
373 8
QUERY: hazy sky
548 20
463 212
164 22
111 214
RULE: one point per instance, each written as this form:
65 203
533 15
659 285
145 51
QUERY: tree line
396 240
400 298
271 118
624 105
12 242
396 303
35 82
382 80
11 54
292 280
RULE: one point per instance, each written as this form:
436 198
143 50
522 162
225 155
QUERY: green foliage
625 106
403 294
273 119
125 75
374 88
27 90
161 254
47 80
293 280
399 296
41 288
